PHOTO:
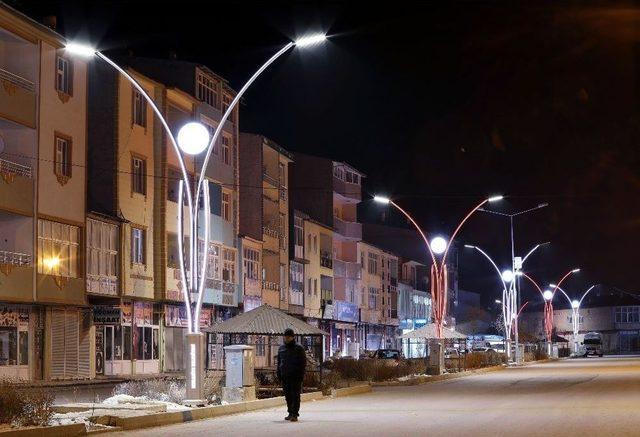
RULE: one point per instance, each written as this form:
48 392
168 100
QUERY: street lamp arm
504 284
586 292
155 109
422 234
522 307
534 283
455 233
536 247
227 113
565 295
566 275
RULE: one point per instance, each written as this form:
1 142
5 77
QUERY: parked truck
591 344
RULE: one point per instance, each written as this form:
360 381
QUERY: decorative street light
575 315
438 246
547 296
517 262
193 139
508 300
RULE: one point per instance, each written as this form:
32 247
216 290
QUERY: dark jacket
292 361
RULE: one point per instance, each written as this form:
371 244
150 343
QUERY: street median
423 379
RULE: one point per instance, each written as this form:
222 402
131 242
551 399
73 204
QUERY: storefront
340 319
14 342
175 329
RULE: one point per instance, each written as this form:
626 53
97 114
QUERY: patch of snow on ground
127 399
408 377
70 418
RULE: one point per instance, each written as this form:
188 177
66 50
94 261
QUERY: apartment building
328 192
45 328
264 213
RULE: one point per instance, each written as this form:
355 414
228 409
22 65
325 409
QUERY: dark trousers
292 389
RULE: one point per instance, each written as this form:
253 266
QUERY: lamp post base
194 373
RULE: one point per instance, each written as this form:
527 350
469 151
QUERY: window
228 265
226 149
309 287
62 157
139 110
213 269
226 206
58 249
260 346
226 102
298 236
372 266
211 127
627 314
282 226
138 175
207 89
315 244
373 298
102 249
147 345
251 262
315 287
138 246
296 276
64 76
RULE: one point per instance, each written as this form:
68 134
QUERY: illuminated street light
575 304
438 245
498 301
193 140
382 199
575 313
507 276
548 295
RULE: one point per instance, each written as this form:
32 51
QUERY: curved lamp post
575 313
193 139
547 296
437 246
508 300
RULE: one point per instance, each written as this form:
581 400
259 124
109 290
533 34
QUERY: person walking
292 361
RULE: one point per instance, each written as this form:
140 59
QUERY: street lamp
517 262
575 315
508 297
438 246
193 138
547 296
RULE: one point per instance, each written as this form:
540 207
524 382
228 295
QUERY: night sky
439 105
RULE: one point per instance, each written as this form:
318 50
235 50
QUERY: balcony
326 260
16 282
17 98
16 187
348 230
352 192
102 285
345 269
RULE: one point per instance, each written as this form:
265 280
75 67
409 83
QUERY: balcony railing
345 269
17 80
13 168
267 285
15 258
271 232
348 229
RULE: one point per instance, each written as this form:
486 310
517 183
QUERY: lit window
57 249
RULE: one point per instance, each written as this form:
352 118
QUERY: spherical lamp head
193 138
438 245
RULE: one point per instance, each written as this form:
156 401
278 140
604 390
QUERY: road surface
582 397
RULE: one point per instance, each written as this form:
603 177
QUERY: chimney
51 21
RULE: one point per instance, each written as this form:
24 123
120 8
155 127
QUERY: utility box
239 364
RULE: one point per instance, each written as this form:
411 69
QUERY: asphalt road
582 397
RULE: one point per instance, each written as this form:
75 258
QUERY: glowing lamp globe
575 304
193 138
548 295
507 276
438 245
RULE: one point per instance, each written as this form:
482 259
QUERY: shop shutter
71 344
57 344
84 349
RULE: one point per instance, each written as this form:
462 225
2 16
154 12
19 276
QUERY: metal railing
267 285
9 167
271 232
15 258
17 80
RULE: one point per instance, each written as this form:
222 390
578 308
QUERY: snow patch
143 400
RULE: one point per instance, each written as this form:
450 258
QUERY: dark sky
440 105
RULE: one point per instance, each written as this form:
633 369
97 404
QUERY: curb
74 429
348 391
435 378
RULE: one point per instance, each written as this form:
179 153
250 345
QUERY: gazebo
416 340
262 328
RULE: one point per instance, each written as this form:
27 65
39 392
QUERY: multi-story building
122 196
264 212
192 92
45 325
329 192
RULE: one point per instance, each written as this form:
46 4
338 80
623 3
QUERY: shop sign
104 314
142 314
346 311
12 317
126 312
176 316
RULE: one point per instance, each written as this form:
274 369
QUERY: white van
591 345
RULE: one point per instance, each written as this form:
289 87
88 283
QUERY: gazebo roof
429 331
264 320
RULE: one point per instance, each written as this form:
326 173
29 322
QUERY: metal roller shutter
57 344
